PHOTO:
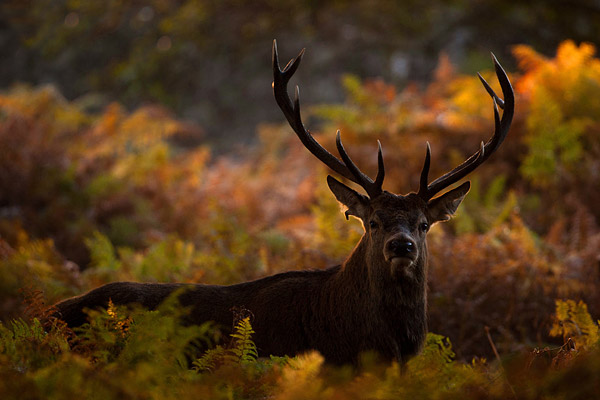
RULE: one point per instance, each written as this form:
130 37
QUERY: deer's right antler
346 167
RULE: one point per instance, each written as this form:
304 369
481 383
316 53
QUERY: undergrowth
131 353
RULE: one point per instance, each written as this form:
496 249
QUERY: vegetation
204 59
88 198
144 354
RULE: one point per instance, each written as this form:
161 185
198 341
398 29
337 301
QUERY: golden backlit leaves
573 322
117 133
563 72
113 192
119 322
562 103
45 105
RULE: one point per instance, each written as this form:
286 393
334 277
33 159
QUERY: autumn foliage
87 199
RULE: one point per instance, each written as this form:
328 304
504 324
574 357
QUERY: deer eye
424 227
373 225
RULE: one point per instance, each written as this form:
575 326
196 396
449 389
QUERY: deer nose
401 247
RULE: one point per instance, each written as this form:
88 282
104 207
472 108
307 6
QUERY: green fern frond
241 351
244 349
102 252
210 360
22 330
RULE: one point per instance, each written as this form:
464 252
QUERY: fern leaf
573 321
210 360
244 349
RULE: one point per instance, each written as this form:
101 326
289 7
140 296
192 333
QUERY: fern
35 304
21 330
211 360
102 253
485 206
244 349
104 336
574 323
26 346
561 117
437 356
119 322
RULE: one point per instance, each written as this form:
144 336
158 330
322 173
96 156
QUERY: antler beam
345 168
427 191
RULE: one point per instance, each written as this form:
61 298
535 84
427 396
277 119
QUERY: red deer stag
375 301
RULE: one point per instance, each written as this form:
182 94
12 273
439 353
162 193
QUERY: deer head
395 225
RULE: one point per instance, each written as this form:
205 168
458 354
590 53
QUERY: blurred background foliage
208 60
140 141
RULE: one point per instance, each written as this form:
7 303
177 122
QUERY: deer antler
347 168
427 191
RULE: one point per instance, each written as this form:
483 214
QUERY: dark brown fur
366 304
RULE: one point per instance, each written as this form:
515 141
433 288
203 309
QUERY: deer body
375 301
293 312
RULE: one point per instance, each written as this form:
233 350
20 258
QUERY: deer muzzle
400 250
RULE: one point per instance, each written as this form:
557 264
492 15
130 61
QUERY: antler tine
380 167
502 125
491 92
425 173
292 113
373 189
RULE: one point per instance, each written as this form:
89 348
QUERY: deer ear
443 207
357 203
